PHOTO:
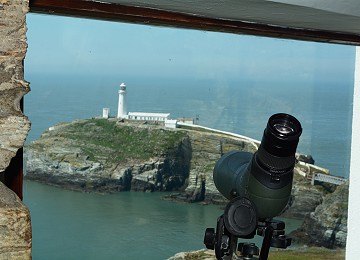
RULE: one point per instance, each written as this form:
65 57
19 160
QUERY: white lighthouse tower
122 102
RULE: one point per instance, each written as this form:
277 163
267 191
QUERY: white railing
327 178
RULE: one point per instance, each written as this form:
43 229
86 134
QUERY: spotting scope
259 187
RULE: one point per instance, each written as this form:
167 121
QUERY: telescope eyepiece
284 126
281 135
284 129
276 154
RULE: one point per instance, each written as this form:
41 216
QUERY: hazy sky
83 48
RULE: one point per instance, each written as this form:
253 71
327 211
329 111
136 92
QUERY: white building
142 116
122 113
148 116
106 112
171 123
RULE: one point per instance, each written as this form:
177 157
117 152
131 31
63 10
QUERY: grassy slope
312 253
101 138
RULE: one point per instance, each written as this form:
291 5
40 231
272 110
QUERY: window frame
133 14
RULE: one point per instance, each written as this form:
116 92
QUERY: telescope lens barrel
276 153
264 178
258 186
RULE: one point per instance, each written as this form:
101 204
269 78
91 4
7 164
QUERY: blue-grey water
230 82
127 225
73 225
243 107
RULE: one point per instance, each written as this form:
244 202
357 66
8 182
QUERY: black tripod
239 221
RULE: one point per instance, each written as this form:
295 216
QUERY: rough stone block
14 126
15 226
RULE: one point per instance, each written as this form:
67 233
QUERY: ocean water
242 107
127 225
230 82
74 225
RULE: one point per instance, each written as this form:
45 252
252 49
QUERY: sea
135 225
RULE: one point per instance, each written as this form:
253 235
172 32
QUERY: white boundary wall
221 132
352 244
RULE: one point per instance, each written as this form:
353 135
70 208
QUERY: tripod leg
265 247
225 242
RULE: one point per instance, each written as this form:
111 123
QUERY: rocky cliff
327 225
106 156
207 148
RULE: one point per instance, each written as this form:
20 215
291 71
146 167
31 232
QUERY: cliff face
327 224
304 197
207 148
105 156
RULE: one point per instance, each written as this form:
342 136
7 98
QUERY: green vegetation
311 253
118 142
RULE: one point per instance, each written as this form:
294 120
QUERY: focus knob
209 238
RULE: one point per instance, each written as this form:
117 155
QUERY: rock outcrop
207 148
327 225
304 197
198 255
105 156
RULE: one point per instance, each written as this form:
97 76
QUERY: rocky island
100 155
107 155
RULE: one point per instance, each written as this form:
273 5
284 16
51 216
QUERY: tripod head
227 248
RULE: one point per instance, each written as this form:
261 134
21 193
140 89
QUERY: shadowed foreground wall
15 226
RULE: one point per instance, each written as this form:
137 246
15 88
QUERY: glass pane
223 81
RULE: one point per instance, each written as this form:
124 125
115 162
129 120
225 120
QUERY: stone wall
15 228
14 126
